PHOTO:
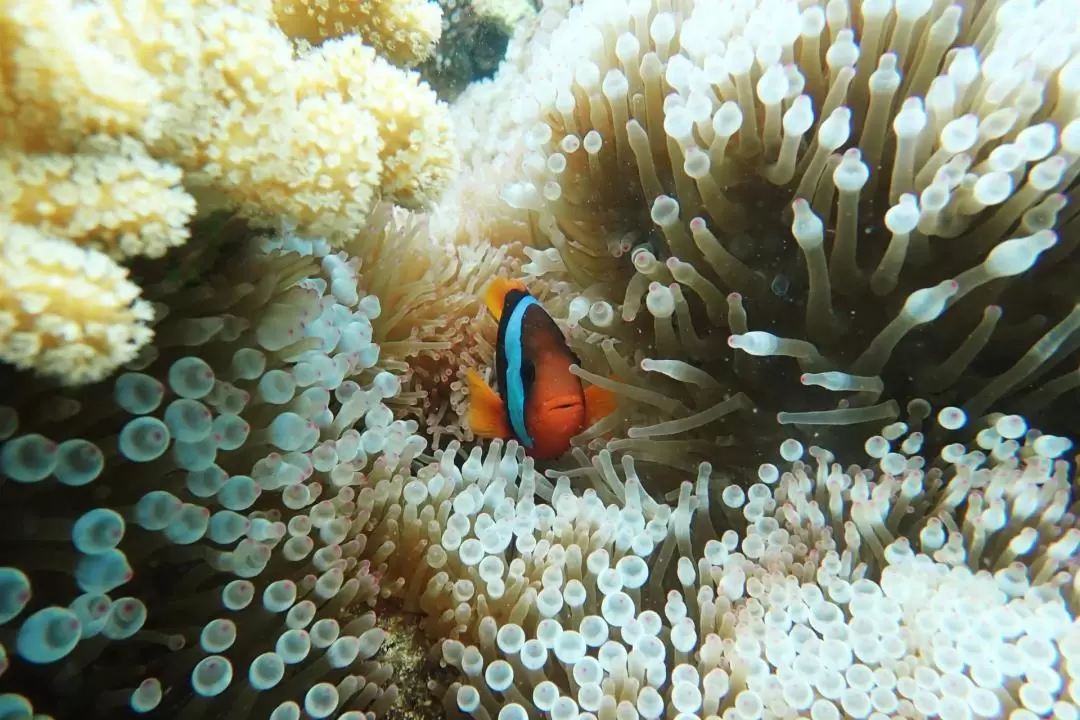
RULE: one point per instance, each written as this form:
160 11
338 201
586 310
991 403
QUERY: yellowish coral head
65 311
111 196
54 58
403 31
418 153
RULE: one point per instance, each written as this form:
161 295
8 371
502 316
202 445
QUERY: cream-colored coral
64 75
404 31
276 148
211 98
418 154
66 311
217 88
110 196
332 196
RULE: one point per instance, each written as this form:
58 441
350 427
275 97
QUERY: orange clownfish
542 404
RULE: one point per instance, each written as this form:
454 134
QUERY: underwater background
819 254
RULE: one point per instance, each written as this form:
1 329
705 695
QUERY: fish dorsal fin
487 414
495 297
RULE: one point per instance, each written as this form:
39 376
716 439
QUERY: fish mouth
567 403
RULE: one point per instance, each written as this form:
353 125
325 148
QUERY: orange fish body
542 404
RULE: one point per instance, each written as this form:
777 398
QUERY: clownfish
542 404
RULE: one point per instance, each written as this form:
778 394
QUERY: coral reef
205 101
828 490
797 212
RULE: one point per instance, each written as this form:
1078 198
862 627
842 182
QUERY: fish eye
528 372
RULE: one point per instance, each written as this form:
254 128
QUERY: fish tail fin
496 292
487 414
599 403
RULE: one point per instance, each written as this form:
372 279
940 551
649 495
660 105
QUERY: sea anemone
192 533
915 587
798 213
434 324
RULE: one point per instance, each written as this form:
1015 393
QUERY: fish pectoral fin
487 414
496 292
599 403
